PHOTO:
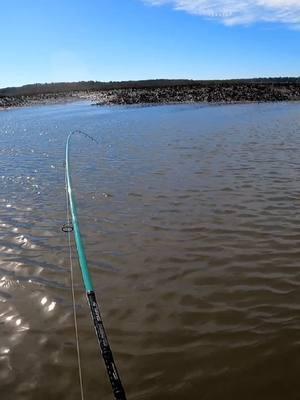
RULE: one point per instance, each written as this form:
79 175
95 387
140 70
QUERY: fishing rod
114 377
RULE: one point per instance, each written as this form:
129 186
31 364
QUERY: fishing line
106 352
68 231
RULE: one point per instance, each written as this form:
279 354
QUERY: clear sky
71 40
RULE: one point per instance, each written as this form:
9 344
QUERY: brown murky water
191 222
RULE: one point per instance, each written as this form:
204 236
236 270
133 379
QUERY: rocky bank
215 93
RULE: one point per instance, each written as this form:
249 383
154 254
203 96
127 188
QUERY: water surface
191 223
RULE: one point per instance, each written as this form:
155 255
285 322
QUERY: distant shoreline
215 93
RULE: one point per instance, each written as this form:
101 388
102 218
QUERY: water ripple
189 215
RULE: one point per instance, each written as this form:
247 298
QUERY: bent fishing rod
114 377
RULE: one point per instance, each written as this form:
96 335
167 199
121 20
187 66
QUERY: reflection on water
190 217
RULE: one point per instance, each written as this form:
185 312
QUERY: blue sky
70 40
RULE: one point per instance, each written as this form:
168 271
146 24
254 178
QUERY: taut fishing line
68 229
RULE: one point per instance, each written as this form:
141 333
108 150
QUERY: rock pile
21 101
207 94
